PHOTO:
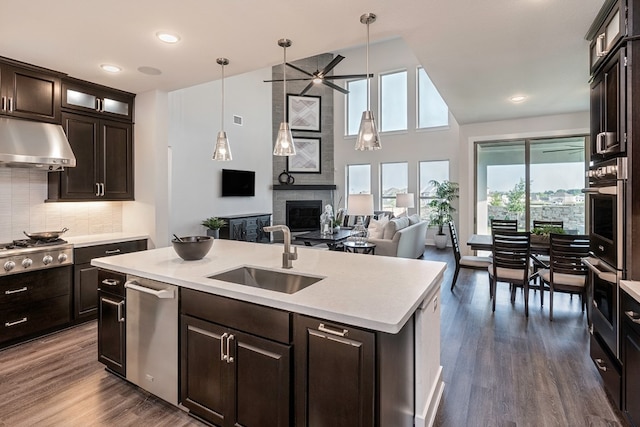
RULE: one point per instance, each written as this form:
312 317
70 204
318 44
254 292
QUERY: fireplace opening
303 215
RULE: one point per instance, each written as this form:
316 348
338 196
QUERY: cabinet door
85 291
205 386
116 166
262 381
111 332
261 235
81 182
30 94
335 374
97 100
631 367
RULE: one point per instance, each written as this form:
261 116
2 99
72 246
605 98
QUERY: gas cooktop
29 254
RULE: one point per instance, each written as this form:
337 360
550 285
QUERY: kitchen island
390 299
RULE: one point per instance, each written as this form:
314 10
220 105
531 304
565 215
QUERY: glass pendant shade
222 151
284 142
368 138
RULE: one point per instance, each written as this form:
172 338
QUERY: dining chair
465 261
541 261
504 225
510 264
566 272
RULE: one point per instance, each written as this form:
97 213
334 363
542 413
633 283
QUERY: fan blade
336 87
289 80
300 69
335 61
349 76
307 88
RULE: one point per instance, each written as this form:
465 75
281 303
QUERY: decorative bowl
193 247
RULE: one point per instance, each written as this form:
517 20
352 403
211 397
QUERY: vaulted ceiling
478 53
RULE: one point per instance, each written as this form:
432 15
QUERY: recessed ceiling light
168 37
111 68
517 98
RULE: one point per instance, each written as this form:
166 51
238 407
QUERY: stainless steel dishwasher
152 336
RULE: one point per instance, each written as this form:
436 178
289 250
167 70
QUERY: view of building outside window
430 171
432 110
394 179
393 101
356 104
556 177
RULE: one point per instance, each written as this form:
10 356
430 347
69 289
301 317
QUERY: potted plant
442 209
541 234
213 225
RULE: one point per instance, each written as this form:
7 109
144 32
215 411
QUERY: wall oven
606 201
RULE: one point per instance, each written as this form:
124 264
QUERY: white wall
194 121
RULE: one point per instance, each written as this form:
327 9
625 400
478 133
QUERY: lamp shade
405 200
222 151
360 204
284 142
368 137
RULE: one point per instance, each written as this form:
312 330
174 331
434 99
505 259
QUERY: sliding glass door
531 179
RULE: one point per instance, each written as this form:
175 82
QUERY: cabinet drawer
607 368
25 319
631 312
35 286
86 254
247 317
111 282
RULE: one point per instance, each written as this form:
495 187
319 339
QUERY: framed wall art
307 158
303 112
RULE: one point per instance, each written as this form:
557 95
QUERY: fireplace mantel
281 187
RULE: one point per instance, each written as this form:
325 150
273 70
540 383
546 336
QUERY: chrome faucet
287 256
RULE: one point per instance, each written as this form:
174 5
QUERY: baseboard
427 416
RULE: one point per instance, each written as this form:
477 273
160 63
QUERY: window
531 179
359 179
393 101
432 110
356 104
395 179
430 171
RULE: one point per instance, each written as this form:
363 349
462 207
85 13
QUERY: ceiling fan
320 77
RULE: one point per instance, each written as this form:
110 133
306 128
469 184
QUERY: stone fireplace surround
283 193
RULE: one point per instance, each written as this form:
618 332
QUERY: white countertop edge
632 288
277 300
103 239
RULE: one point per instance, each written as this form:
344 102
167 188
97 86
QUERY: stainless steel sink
267 279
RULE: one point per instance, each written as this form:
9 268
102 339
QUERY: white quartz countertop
632 288
103 239
374 292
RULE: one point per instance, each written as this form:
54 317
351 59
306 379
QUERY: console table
246 227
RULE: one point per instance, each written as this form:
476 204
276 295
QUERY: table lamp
405 200
359 205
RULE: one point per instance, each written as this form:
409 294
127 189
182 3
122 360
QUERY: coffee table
317 237
364 248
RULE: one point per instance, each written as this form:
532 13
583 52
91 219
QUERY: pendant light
284 142
368 138
222 151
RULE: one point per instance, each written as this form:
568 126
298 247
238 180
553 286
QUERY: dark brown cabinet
230 375
92 99
34 302
85 280
248 227
29 92
111 321
631 358
104 161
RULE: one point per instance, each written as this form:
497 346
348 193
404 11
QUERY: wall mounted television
237 183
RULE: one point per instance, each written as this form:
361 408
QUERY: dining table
538 248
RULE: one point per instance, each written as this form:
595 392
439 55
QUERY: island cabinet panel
248 228
111 321
232 376
631 358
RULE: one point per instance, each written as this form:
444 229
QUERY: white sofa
401 237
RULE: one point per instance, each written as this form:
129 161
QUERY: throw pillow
393 226
376 228
414 219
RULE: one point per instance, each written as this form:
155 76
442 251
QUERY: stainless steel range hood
30 144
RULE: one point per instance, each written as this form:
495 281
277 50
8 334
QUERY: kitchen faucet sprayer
287 256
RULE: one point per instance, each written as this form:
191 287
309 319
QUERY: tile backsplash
22 208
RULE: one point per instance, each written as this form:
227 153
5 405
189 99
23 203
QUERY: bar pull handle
10 104
161 294
112 252
3 104
323 328
17 322
229 358
634 317
600 48
118 306
97 189
111 282
599 364
16 291
102 188
222 338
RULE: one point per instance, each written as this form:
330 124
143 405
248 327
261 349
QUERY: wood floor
500 370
